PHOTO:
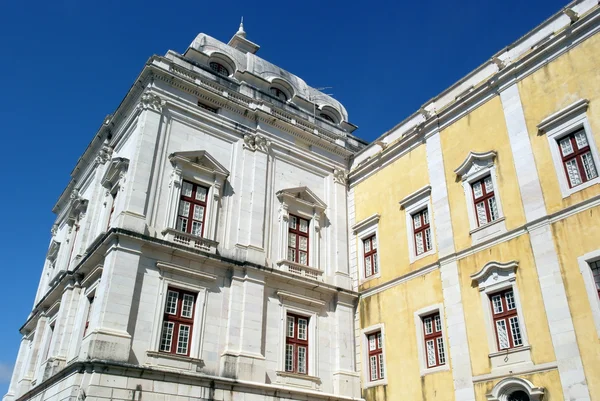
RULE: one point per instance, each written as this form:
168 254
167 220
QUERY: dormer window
219 68
278 93
327 117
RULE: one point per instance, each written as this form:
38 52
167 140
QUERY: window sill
173 361
300 270
414 258
298 380
365 280
436 369
488 230
513 356
570 191
193 241
380 382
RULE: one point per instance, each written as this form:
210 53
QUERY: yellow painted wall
573 76
395 308
381 193
482 130
527 283
574 237
550 380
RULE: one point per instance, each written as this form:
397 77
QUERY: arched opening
518 395
218 68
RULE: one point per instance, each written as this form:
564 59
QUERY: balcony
192 241
300 270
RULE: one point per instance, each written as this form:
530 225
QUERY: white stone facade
96 327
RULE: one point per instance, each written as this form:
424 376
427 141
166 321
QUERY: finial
241 31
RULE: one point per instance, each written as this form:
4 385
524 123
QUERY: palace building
225 237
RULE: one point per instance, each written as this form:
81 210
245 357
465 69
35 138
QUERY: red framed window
178 322
376 368
422 232
370 255
484 200
278 93
296 344
434 341
595 267
298 240
577 158
218 68
506 320
192 209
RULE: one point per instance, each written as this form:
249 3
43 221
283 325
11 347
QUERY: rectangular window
178 322
88 315
192 209
375 344
296 344
422 232
207 107
435 353
370 255
484 199
595 267
298 240
577 158
506 320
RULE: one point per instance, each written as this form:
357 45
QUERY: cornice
418 194
578 107
365 223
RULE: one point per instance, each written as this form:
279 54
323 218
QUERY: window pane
290 326
303 258
303 225
489 186
171 305
497 304
441 352
438 323
379 340
196 228
292 240
510 300
186 189
477 190
428 239
373 364
573 172
595 267
367 244
481 214
374 242
201 194
368 266
289 357
182 224
566 147
187 306
291 254
184 208
198 212
375 266
430 353
515 331
502 334
293 223
302 326
581 139
301 359
184 337
381 369
372 342
589 166
417 220
425 216
167 337
493 208
419 243
428 325
303 244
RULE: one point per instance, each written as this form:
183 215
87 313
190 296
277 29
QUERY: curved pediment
302 194
474 162
492 268
199 159
507 386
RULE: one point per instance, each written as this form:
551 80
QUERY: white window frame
178 277
362 230
560 124
415 203
367 383
419 315
492 278
590 286
475 167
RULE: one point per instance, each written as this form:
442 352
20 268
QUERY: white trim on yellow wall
590 285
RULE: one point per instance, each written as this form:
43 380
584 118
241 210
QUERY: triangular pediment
302 194
200 158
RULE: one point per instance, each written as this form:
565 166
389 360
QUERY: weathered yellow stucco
381 193
575 237
527 283
548 379
396 307
482 130
574 75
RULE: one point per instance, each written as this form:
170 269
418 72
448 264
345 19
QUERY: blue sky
66 64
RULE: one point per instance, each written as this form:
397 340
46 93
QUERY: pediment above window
199 160
494 273
115 172
53 250
511 386
301 195
475 162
